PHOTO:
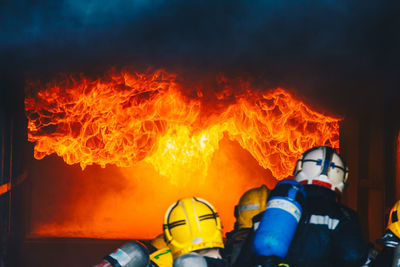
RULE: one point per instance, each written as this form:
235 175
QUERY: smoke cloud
337 53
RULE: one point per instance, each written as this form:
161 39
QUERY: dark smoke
340 54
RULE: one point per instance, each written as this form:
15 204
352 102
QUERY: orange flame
130 118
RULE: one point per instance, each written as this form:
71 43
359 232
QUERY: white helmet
323 166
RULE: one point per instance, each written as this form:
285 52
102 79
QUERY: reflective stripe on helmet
254 206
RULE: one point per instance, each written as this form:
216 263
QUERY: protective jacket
328 234
384 258
387 256
234 243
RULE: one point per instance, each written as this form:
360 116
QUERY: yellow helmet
394 223
250 204
191 224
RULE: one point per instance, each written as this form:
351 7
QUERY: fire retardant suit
329 234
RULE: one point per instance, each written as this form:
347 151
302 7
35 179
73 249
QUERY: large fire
131 119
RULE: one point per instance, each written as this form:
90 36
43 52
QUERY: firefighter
328 233
390 254
251 203
192 226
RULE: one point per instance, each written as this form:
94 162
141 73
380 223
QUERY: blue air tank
281 217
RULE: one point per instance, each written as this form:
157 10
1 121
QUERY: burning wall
159 143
